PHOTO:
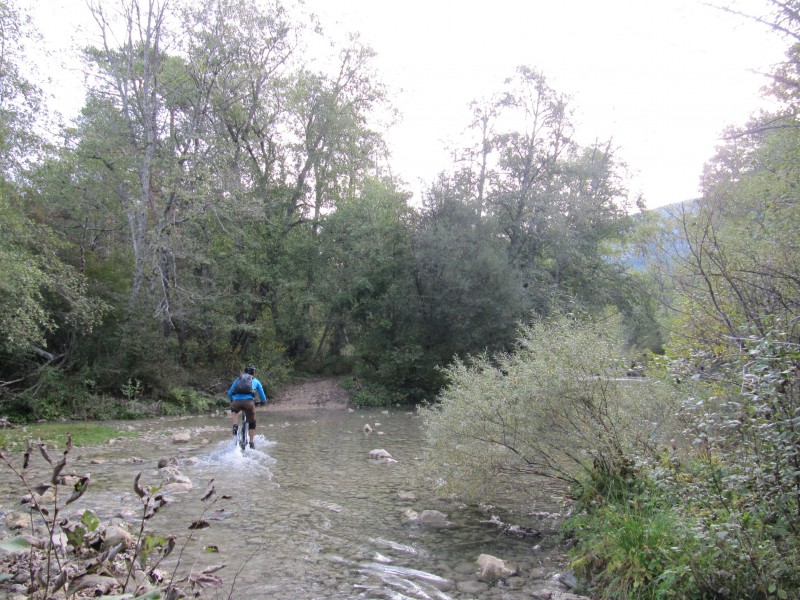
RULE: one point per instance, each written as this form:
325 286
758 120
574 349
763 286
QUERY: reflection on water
306 514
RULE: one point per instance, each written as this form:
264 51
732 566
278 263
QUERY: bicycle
243 433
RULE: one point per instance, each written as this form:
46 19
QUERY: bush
719 516
373 395
559 407
741 481
55 395
184 400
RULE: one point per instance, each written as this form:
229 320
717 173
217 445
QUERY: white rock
178 488
410 515
434 518
115 535
17 521
179 478
492 568
169 472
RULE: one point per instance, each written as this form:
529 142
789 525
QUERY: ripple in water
306 514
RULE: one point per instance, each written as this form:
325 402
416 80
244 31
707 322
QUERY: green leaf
151 595
90 520
17 544
76 537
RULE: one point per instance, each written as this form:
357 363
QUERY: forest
219 202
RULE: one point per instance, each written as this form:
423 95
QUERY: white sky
662 78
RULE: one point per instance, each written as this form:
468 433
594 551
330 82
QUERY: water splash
227 456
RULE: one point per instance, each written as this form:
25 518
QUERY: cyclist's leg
234 417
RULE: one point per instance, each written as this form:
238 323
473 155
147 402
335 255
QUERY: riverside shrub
559 406
728 489
741 480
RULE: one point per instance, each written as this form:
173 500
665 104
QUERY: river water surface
308 514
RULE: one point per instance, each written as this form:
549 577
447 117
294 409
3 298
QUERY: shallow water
307 514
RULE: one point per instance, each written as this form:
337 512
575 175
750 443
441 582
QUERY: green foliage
743 480
728 266
39 293
559 407
371 323
631 551
77 535
184 400
156 243
527 225
715 516
733 263
470 297
150 544
58 394
373 395
132 390
21 100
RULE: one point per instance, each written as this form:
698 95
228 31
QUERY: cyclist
242 395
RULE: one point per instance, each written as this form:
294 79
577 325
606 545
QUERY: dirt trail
318 393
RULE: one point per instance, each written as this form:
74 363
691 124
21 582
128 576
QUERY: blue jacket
257 387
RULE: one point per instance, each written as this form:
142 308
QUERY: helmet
250 369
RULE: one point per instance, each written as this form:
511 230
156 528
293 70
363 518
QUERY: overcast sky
662 78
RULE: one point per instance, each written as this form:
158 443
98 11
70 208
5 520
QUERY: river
307 513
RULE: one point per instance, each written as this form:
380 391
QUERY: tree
527 221
131 146
39 293
469 296
20 99
737 266
371 314
527 161
43 299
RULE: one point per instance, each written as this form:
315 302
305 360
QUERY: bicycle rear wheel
244 432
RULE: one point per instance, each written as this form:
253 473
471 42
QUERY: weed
82 556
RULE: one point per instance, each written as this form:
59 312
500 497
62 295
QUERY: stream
307 513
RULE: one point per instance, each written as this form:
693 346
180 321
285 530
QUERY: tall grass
54 434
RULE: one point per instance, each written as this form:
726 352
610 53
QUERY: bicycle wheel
244 432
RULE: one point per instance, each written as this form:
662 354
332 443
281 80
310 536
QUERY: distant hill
669 212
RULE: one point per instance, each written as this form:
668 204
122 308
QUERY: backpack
243 384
